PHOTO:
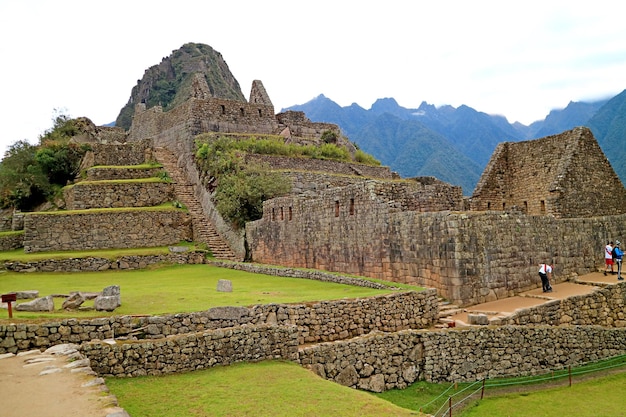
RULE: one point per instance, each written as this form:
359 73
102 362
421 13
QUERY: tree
32 174
22 182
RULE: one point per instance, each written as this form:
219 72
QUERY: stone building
204 113
424 234
564 175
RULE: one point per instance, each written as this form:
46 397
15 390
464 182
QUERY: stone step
203 228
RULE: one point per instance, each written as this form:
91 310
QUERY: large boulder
73 301
38 304
109 300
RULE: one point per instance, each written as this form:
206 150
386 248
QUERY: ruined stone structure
423 235
564 175
211 114
376 360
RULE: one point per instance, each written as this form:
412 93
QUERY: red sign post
9 299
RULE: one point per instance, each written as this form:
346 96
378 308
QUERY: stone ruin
555 199
107 300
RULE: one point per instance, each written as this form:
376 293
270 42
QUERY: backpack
614 253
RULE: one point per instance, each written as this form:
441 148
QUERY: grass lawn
597 390
592 398
175 289
271 388
275 388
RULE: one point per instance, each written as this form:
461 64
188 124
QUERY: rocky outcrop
175 80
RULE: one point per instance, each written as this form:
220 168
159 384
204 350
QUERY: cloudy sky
518 59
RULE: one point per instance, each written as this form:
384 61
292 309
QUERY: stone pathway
203 229
583 285
57 382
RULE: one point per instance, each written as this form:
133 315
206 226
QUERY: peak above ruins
176 79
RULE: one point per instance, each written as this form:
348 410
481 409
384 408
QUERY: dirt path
51 385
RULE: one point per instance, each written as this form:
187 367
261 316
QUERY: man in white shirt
545 272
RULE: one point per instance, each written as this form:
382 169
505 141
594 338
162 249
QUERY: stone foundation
117 194
11 240
105 229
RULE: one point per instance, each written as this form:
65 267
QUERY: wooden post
9 299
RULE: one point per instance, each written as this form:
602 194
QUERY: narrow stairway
203 229
446 310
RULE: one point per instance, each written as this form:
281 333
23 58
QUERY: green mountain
455 144
169 83
609 128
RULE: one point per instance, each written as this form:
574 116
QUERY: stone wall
565 175
469 257
193 351
315 322
11 222
603 307
310 165
301 273
11 240
116 194
105 228
379 362
103 264
130 153
125 173
177 142
376 361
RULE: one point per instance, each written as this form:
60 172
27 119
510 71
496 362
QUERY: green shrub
365 158
241 188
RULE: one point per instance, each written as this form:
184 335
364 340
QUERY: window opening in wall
282 215
525 206
273 214
489 206
223 109
503 206
336 208
352 206
241 111
543 206
290 214
260 113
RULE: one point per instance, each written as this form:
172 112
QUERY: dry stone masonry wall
116 194
106 228
125 173
103 264
470 257
375 362
193 351
315 322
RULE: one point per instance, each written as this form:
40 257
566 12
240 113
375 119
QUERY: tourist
618 258
545 272
608 258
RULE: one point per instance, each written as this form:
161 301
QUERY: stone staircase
446 310
203 229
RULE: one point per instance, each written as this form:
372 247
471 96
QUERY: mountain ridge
467 137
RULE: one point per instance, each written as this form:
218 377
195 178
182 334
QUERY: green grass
247 389
604 381
121 181
11 233
18 255
140 166
271 388
592 398
163 207
176 289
